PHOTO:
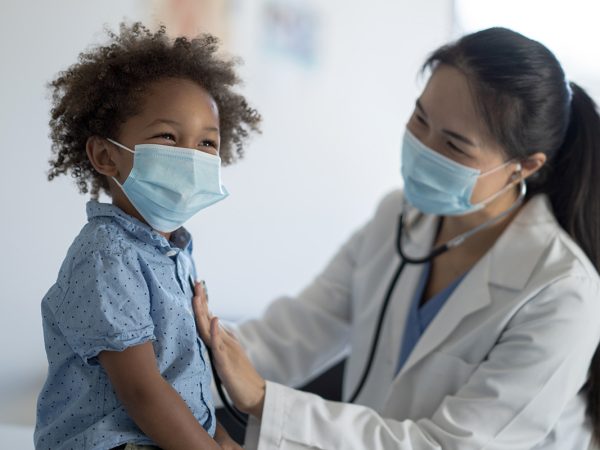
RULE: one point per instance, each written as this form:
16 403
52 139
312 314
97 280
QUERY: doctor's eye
420 119
457 150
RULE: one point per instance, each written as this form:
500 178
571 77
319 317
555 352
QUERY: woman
489 345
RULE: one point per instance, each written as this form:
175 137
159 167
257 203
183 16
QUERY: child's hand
224 440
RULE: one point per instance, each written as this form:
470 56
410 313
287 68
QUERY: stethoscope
232 410
404 259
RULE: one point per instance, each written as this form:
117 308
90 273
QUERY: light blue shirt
419 317
121 284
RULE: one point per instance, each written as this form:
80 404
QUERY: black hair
529 106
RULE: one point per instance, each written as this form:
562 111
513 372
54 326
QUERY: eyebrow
174 122
453 134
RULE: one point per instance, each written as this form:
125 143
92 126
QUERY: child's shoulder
102 250
102 235
98 242
112 239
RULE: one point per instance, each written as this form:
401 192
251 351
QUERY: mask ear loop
120 145
124 148
514 176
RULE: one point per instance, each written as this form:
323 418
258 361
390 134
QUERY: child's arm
151 401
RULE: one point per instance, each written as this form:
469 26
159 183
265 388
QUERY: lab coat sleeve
511 401
297 338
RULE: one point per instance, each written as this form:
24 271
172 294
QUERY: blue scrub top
419 317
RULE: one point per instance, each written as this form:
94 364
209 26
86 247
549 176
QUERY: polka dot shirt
121 284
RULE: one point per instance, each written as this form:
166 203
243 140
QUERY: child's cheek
124 168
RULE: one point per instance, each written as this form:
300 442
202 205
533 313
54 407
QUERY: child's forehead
176 97
177 89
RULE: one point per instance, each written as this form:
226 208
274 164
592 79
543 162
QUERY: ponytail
521 94
574 185
574 191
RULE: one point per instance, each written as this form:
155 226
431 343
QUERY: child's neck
125 205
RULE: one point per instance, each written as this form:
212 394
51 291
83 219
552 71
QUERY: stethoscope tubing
232 410
406 259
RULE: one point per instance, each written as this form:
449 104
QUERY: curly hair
96 95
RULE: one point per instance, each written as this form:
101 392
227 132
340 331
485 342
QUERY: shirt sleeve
106 304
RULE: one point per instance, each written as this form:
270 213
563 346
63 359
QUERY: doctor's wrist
256 409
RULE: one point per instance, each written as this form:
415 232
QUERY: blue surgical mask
435 184
168 185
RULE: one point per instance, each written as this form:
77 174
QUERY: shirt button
171 253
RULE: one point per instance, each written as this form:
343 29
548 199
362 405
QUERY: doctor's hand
241 380
224 440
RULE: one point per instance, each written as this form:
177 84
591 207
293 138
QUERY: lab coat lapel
471 295
517 251
508 265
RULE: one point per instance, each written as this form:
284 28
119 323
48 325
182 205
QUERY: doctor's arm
512 400
297 338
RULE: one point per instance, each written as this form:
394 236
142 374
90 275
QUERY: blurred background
335 82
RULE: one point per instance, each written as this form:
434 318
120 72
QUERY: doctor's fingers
201 313
228 332
200 290
241 380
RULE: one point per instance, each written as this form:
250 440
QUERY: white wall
329 151
575 46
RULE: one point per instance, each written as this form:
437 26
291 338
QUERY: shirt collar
181 239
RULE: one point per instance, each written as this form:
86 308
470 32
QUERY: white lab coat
500 367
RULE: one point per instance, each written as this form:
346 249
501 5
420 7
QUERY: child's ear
100 153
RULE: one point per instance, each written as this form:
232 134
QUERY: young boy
148 120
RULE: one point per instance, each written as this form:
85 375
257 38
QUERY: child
147 120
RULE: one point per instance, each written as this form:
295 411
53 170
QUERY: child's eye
208 143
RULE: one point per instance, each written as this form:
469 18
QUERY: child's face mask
168 185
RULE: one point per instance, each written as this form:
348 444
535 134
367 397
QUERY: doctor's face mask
435 184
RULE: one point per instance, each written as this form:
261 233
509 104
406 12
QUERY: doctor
491 343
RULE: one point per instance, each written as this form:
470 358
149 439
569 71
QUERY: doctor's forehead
449 103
